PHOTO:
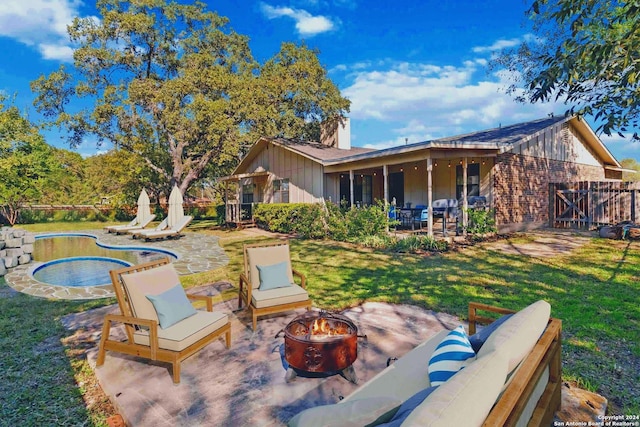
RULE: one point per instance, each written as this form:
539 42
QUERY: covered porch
242 192
426 191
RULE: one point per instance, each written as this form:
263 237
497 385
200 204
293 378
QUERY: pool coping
196 252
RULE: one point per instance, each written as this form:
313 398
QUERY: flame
320 327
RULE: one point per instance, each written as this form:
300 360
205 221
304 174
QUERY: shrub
481 221
366 226
366 221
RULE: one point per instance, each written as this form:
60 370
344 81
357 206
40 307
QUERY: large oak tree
585 52
174 85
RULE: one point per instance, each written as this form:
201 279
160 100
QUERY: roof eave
427 145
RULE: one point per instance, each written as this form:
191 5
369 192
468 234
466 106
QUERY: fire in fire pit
321 342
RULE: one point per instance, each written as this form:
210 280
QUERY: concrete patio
245 385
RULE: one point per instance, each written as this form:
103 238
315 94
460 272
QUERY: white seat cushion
186 332
277 296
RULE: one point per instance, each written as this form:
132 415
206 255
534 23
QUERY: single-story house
511 166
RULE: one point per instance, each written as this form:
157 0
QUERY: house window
473 180
281 190
396 188
247 193
362 189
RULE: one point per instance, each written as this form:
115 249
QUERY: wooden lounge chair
162 226
173 232
285 295
145 336
133 225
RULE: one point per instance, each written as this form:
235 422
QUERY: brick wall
521 188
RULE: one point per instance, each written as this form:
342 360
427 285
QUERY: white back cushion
517 336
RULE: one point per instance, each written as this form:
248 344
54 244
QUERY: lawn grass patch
594 290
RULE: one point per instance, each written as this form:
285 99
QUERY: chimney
336 132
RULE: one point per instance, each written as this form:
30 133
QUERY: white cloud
40 23
57 52
625 147
423 101
497 45
306 24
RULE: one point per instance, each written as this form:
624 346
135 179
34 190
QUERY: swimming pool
77 260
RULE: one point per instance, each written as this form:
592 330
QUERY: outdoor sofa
512 379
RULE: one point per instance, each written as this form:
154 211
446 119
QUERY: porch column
351 196
385 187
465 202
226 201
239 199
430 196
385 183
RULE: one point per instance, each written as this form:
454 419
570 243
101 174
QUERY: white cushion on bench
518 335
467 398
405 377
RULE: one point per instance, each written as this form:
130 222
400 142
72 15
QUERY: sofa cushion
480 337
273 297
186 332
267 255
172 306
517 336
450 356
467 398
371 411
408 406
273 276
402 379
148 282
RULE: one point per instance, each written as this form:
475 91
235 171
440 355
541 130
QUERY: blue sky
413 70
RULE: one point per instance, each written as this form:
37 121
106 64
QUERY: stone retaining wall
16 247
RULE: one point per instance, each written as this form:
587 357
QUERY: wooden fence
588 204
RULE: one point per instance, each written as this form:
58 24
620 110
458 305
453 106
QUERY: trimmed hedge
322 221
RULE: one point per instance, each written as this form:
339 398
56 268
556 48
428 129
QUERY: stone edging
196 253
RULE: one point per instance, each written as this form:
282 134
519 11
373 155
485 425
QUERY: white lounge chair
175 231
133 225
160 227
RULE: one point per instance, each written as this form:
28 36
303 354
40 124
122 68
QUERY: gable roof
317 151
498 139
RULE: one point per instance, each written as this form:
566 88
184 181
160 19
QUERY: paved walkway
197 252
544 243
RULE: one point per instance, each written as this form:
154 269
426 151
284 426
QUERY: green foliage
481 221
173 84
408 244
631 164
25 162
366 221
585 53
323 221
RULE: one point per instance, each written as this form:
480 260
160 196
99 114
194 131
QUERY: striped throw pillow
450 356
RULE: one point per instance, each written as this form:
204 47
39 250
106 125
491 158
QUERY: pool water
78 260
82 271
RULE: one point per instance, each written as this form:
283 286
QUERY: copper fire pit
321 342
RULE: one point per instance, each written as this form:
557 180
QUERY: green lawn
595 291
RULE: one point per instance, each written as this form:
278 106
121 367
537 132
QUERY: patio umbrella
144 209
176 211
